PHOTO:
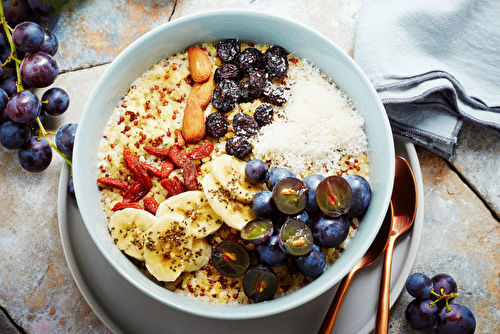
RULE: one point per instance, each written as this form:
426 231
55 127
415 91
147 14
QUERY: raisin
263 114
276 95
275 61
245 95
250 59
239 147
228 50
227 71
245 125
225 95
256 82
216 125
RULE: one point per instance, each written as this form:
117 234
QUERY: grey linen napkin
435 64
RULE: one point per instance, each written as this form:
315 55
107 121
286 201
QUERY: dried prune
257 80
227 71
216 125
250 59
273 94
245 95
225 95
245 125
228 50
275 61
239 147
263 114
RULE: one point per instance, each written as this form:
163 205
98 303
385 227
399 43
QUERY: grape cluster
431 307
27 62
291 226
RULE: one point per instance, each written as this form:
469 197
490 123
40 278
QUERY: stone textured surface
461 226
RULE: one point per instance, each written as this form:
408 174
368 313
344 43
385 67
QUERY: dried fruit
135 193
275 61
245 125
216 125
199 64
125 205
227 71
113 182
228 50
250 59
225 96
193 122
239 147
263 114
150 205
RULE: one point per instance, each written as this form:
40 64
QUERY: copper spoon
376 249
404 201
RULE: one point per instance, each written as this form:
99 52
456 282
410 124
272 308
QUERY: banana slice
229 171
128 228
234 213
193 205
200 255
167 247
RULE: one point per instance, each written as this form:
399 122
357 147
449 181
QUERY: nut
202 92
193 122
199 64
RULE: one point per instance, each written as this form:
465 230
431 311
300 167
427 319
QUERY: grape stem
443 296
19 84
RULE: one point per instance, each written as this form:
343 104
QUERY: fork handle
382 322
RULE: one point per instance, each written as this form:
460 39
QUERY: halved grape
295 237
290 195
257 231
334 196
230 258
311 264
260 283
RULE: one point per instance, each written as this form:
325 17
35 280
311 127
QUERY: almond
193 122
202 92
199 64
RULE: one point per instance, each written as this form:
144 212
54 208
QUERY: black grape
50 43
17 11
14 135
35 156
23 107
419 285
421 314
8 84
28 37
55 101
65 139
443 282
41 9
456 320
39 69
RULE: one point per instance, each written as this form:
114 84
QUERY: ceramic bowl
213 26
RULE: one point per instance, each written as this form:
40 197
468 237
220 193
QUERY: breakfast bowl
257 27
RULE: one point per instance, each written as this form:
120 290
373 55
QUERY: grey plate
125 309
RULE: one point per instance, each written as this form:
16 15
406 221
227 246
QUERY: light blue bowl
174 37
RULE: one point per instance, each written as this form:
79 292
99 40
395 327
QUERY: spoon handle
382 323
333 311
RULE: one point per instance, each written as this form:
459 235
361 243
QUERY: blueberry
256 171
311 264
330 231
311 182
361 194
263 205
276 174
270 253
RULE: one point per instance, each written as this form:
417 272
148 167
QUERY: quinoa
151 113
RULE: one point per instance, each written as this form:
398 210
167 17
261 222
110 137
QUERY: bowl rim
204 309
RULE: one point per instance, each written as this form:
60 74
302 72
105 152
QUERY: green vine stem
17 62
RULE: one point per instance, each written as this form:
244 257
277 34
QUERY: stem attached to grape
19 84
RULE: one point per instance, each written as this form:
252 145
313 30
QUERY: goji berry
124 205
179 139
201 151
137 170
150 205
161 152
166 168
153 171
113 182
190 175
177 155
135 193
174 186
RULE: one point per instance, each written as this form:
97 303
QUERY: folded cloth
435 64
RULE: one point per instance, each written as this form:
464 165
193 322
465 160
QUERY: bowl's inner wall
211 27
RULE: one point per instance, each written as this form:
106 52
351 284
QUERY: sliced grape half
260 283
334 196
295 237
257 231
230 258
290 195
